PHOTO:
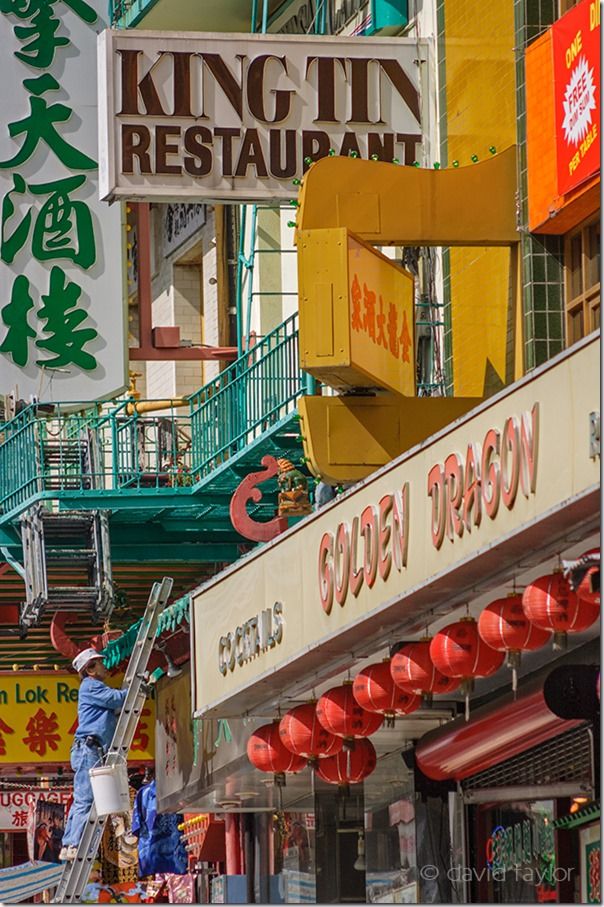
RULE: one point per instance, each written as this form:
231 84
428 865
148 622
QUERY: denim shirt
97 707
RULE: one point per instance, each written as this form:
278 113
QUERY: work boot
68 854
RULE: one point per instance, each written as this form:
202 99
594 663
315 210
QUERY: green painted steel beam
9 537
129 13
182 552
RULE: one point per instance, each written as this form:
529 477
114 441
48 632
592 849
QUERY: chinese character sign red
576 49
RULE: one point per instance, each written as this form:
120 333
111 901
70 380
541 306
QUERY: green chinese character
39 127
14 316
62 318
54 224
58 217
10 245
41 32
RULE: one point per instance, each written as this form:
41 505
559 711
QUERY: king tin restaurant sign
227 117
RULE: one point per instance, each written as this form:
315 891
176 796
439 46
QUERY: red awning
495 732
213 848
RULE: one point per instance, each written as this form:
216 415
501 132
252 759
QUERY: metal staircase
66 563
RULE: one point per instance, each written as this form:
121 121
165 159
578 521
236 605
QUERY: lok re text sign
39 717
223 116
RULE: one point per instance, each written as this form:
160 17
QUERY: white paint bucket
110 789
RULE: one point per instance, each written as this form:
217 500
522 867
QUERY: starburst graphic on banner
579 101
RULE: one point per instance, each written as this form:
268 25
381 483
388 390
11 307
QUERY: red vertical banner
576 48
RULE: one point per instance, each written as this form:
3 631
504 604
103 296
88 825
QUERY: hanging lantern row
340 714
413 669
350 766
302 733
505 627
267 753
550 603
458 651
332 733
375 690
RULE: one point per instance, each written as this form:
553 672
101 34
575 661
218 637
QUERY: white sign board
15 806
200 116
62 315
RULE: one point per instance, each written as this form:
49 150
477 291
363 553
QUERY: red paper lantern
302 733
340 714
588 589
551 604
504 626
458 651
350 766
375 690
413 669
266 752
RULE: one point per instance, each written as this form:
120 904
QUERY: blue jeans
83 758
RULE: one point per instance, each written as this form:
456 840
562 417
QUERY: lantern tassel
467 685
560 642
513 662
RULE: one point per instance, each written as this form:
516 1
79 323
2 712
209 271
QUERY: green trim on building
118 650
584 816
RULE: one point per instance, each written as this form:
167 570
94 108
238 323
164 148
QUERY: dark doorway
339 822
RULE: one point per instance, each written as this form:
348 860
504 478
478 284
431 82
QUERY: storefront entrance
340 859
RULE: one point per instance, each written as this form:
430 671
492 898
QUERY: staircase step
70 552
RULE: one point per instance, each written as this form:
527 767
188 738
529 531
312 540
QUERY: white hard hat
83 657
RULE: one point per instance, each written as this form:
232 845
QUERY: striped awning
21 883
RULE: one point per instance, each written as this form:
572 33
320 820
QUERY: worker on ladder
98 709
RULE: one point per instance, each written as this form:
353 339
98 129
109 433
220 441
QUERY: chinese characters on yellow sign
38 718
356 313
381 318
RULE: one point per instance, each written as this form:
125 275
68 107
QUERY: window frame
584 305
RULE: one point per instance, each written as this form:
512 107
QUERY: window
565 5
582 279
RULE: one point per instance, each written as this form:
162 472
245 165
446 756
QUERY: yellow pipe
151 406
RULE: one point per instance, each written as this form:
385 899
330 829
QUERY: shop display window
294 849
390 845
514 856
582 270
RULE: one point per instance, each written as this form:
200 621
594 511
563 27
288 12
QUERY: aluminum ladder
77 872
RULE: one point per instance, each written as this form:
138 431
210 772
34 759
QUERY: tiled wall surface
542 273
